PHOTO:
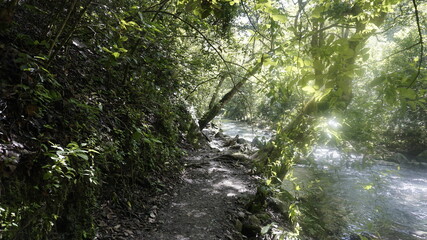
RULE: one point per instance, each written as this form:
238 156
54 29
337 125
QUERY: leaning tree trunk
215 94
216 108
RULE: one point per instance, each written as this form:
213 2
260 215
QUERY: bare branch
253 25
417 18
401 50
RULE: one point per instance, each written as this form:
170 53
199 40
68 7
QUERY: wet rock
220 134
230 142
236 147
257 142
240 140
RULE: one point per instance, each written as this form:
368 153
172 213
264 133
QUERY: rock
422 157
241 215
256 142
208 134
238 225
240 140
254 220
398 158
229 142
220 134
240 156
236 147
386 163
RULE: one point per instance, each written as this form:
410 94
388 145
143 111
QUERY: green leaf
47 175
318 65
309 89
321 95
83 156
348 53
137 135
265 229
365 57
317 12
106 49
116 54
279 18
407 93
123 50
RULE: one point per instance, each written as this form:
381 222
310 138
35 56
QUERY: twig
73 28
253 25
62 28
420 42
198 85
401 50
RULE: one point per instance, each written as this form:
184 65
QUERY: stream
380 199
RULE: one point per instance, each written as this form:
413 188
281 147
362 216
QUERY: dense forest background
99 97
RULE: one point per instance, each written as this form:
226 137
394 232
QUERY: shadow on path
200 207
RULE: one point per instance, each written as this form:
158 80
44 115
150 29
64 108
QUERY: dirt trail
202 204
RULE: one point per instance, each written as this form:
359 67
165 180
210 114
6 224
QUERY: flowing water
243 130
376 198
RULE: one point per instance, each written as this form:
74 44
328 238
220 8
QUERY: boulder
422 157
258 142
220 134
399 158
240 140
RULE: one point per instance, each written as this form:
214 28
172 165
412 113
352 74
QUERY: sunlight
333 123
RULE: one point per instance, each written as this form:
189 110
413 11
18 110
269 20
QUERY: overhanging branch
417 18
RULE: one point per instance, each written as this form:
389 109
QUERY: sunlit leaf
265 229
309 89
279 18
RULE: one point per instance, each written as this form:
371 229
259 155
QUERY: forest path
202 205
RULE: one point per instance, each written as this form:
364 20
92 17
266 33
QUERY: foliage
94 94
92 107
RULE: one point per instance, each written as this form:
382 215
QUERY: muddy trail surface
203 205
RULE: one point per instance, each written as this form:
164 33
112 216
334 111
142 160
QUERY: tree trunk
216 108
215 94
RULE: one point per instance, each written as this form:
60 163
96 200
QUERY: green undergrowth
83 118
